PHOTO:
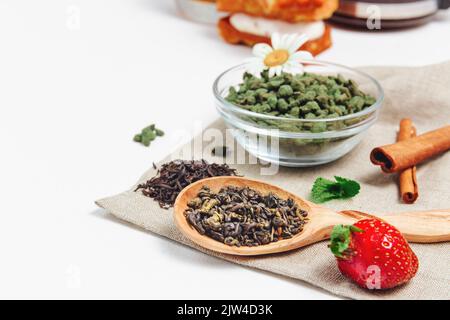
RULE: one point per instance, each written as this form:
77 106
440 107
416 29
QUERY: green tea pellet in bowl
299 120
302 96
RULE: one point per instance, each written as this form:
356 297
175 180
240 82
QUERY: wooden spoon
421 227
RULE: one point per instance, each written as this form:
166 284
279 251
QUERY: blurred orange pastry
254 21
231 35
204 11
287 10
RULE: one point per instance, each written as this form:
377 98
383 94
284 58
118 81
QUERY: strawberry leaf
341 237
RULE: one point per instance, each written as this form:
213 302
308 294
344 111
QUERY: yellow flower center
276 58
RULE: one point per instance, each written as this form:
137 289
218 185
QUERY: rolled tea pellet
408 153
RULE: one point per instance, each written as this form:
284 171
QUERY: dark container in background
391 14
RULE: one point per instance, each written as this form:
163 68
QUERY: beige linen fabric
420 93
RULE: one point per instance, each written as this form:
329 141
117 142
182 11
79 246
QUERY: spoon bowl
425 227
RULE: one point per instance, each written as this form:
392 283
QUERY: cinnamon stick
408 153
408 181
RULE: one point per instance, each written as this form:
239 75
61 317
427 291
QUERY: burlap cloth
420 93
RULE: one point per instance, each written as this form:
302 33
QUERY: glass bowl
298 142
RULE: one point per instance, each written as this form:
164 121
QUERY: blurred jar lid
391 13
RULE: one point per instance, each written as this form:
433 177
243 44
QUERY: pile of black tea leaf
174 176
244 217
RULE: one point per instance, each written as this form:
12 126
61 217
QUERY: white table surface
72 98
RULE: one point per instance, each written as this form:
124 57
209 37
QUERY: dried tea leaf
239 216
174 176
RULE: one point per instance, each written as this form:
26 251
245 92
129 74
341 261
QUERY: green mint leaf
324 190
350 188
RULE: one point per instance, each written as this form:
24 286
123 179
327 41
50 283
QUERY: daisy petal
296 42
293 68
261 50
276 38
254 66
301 55
271 72
290 39
278 70
286 40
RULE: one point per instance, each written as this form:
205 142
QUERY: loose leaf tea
148 134
174 176
244 217
220 151
325 190
302 96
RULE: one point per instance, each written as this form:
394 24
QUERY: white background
71 101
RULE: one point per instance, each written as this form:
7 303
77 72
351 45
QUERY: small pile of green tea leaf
324 190
148 134
302 96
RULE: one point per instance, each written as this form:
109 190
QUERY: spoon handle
421 227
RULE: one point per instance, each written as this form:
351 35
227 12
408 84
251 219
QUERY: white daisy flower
282 56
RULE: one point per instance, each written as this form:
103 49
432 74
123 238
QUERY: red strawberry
374 254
